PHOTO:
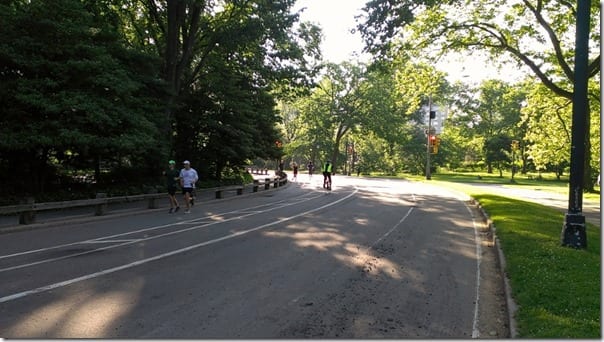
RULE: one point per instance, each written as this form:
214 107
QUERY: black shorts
189 190
171 190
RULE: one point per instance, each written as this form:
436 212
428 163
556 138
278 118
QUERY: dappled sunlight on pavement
90 313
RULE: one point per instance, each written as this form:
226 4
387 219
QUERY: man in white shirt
188 178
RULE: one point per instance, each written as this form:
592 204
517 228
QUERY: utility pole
428 174
573 230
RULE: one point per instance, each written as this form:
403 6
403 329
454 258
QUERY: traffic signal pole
573 230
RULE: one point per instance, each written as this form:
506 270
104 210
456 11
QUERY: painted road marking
165 255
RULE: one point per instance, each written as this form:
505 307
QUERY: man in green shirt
172 181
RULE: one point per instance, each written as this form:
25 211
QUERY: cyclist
327 175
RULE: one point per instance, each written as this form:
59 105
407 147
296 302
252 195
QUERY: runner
188 177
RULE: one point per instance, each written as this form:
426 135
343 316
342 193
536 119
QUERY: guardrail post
152 204
28 217
218 194
101 208
256 183
240 191
276 183
267 183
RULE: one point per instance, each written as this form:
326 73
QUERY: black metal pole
573 230
428 174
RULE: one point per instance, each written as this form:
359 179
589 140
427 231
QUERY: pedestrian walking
295 168
188 178
311 168
172 180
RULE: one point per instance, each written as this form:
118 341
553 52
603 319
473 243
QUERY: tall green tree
340 99
70 88
548 131
537 34
498 114
237 47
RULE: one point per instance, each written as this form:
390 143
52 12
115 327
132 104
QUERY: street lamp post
573 229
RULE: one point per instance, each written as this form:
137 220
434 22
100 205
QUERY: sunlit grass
557 288
548 182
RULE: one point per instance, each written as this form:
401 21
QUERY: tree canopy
104 86
118 87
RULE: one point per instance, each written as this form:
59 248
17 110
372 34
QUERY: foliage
535 34
124 85
548 122
496 151
72 94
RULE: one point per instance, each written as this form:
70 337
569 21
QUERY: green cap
171 162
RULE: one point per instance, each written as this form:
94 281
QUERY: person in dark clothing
172 180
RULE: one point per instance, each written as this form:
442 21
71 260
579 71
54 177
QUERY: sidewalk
591 209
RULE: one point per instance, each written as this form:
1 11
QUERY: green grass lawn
557 289
548 182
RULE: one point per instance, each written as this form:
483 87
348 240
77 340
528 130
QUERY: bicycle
327 182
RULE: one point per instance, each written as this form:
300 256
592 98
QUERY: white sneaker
187 211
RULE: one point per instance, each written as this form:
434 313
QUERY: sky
336 18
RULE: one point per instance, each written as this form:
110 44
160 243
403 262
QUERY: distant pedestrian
188 178
172 180
295 168
311 168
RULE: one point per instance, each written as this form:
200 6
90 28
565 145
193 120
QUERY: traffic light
433 145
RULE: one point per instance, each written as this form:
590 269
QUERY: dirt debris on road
354 312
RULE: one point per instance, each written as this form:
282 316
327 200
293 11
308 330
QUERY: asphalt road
370 259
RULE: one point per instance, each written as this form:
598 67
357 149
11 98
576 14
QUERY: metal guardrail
27 211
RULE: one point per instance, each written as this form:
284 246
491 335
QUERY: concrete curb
510 303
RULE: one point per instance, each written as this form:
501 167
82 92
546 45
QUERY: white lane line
270 205
462 197
129 242
164 255
45 261
393 228
111 241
